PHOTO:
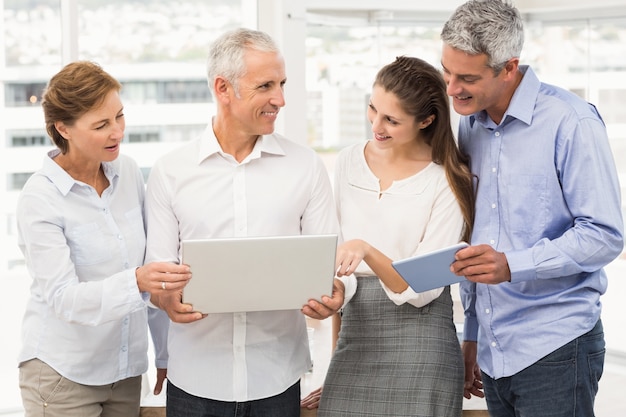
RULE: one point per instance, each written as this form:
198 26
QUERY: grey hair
491 27
226 55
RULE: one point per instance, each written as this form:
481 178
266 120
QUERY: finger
158 387
173 281
477 393
167 285
174 268
309 400
308 311
326 307
316 310
332 304
343 269
186 317
314 404
476 388
177 276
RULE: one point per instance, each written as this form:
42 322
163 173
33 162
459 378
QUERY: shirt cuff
411 297
130 281
470 329
349 283
521 265
160 364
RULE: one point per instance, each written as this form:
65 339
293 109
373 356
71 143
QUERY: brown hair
79 87
421 91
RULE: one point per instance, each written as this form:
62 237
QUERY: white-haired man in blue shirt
548 219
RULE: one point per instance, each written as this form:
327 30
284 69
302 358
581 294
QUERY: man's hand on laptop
327 306
178 312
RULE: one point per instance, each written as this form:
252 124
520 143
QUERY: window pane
32 137
140 31
342 62
20 94
31 32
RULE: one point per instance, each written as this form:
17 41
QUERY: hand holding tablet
430 270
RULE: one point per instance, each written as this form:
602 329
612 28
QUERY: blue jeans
562 384
182 404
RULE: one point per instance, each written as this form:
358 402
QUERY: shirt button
487 310
493 344
493 206
492 242
497 134
124 348
493 169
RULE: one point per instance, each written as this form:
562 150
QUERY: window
28 138
342 61
143 136
114 32
16 180
166 91
186 92
611 101
31 33
23 94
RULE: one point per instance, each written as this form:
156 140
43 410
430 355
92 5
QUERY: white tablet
258 273
430 270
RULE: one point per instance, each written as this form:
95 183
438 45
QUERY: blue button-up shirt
549 198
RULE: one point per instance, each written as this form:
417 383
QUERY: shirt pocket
527 208
88 245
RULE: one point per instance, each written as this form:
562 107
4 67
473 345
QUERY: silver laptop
258 273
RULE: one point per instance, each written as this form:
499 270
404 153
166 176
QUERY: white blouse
85 317
414 215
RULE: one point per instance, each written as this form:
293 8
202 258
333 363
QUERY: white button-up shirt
85 318
198 191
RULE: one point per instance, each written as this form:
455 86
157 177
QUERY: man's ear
222 87
511 67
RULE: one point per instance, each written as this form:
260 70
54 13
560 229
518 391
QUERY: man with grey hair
239 179
548 219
